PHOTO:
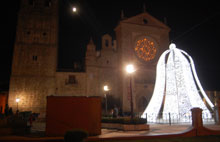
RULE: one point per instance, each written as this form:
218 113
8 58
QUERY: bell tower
35 55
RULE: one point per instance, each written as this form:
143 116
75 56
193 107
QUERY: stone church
140 40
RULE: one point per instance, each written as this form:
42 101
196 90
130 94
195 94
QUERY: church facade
140 40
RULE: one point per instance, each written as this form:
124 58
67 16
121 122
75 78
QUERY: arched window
106 43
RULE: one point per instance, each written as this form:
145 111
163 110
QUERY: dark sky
194 28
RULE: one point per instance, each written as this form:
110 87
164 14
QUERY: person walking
115 112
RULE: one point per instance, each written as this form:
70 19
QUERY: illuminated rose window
145 49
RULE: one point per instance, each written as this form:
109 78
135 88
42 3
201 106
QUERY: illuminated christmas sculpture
177 89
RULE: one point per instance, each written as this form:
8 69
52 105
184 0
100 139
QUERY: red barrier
3 101
71 113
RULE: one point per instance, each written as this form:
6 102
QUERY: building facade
140 40
35 55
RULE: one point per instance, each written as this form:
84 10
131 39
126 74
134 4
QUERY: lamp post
130 69
106 89
74 9
17 101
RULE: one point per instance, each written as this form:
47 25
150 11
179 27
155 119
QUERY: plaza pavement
155 129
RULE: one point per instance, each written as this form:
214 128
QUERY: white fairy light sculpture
176 88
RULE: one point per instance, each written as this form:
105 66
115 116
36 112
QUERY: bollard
169 118
197 117
146 117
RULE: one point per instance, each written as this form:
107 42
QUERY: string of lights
176 84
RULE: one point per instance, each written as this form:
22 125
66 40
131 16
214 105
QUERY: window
28 32
145 21
34 58
31 2
47 3
71 80
107 62
145 49
106 43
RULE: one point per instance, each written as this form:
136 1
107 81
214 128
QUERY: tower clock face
145 49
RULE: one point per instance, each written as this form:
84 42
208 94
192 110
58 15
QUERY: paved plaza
155 129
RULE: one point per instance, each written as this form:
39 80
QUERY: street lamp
74 9
130 69
17 101
106 89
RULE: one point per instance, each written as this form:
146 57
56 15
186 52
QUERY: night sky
195 28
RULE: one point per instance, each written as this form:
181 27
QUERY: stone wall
35 56
32 92
70 84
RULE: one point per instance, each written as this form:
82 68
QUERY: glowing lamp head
74 9
17 100
106 88
130 68
172 46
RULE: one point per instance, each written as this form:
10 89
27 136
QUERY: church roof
145 19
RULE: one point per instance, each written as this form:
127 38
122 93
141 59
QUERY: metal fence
174 118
